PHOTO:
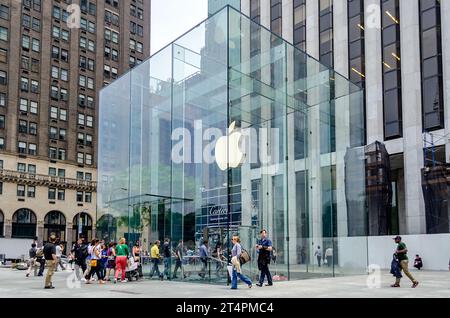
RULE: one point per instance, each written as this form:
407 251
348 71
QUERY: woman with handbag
235 260
95 262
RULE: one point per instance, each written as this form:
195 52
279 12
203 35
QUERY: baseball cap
398 237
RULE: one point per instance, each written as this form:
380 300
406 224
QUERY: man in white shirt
59 250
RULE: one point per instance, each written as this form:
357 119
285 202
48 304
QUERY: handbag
93 263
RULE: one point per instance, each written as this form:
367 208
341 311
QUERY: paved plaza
432 284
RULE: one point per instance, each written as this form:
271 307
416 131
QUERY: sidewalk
432 284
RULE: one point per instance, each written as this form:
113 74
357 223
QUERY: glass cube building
228 130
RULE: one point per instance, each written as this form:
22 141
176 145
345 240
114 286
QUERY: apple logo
227 150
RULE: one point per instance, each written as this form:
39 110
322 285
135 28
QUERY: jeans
265 272
319 258
178 265
235 276
155 268
404 267
204 261
167 267
41 261
329 260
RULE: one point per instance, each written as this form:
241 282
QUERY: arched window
107 228
82 227
24 224
55 222
2 220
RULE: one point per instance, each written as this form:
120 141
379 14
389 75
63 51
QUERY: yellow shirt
154 251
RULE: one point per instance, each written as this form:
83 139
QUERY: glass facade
216 134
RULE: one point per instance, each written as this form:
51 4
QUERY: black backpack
83 251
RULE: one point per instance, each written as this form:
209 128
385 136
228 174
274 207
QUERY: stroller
132 271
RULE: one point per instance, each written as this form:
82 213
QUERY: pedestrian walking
80 252
111 264
217 254
59 251
318 254
264 248
401 253
179 252
203 254
237 267
329 256
167 254
50 260
40 260
32 260
96 267
155 258
122 252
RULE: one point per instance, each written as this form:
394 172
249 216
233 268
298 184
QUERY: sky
172 18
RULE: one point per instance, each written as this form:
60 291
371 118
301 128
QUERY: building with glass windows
230 129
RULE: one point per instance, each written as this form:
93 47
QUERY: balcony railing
47 181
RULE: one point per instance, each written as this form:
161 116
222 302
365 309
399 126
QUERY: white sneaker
123 281
83 280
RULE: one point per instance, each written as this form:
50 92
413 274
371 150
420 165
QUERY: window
33 107
36 25
140 47
326 32
56 32
34 86
22 147
23 221
37 5
64 94
32 169
65 35
80 175
26 20
83 60
81 118
88 176
90 121
2 100
88 159
80 139
65 55
31 192
106 71
21 167
3 56
33 129
51 193
61 194
53 133
91 46
53 112
90 102
83 43
62 135
4 12
23 106
82 81
52 153
61 154
64 75
52 172
115 55
20 190
2 121
36 45
2 143
3 34
88 140
88 197
81 100
132 44
24 84
391 67
80 158
55 72
79 196
91 65
90 83
431 58
3 78
63 114
35 66
32 149
56 12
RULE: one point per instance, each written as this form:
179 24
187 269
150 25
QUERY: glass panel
229 130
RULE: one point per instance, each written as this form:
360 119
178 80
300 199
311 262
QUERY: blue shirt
237 250
265 242
203 251
263 253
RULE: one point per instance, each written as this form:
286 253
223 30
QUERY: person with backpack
40 260
264 249
80 252
236 261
